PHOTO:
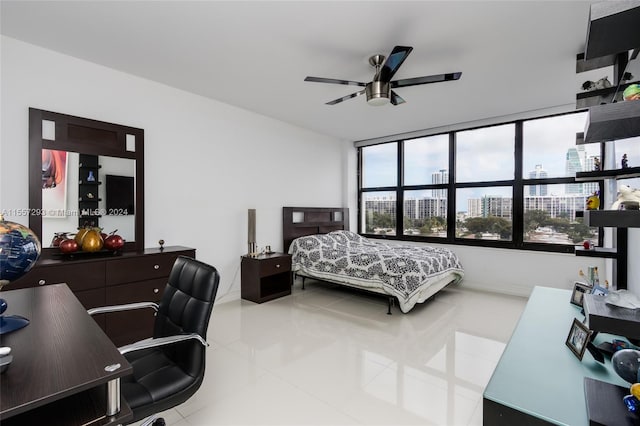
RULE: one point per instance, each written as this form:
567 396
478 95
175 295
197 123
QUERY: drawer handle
277 266
155 290
42 282
156 266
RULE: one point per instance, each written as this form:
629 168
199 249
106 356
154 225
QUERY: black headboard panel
302 221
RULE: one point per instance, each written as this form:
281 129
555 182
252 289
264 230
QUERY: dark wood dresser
135 276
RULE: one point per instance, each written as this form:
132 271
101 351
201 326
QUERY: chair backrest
186 307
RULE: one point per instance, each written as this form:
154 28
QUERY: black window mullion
517 209
400 191
451 192
359 179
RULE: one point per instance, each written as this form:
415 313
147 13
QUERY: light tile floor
330 356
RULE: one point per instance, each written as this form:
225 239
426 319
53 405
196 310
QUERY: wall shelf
602 96
601 252
630 172
612 218
583 65
612 28
608 122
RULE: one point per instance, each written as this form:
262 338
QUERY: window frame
517 184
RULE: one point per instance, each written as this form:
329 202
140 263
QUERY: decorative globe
19 250
626 363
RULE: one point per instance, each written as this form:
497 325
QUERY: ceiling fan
379 89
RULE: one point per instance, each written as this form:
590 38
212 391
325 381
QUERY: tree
533 219
491 224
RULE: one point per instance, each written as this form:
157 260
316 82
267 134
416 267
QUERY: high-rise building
439 177
538 173
589 188
575 162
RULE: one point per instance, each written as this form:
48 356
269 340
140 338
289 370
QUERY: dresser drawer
141 291
140 268
78 276
274 266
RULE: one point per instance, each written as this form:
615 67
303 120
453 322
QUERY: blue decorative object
19 251
632 403
626 363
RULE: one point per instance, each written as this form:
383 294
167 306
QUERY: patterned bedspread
399 270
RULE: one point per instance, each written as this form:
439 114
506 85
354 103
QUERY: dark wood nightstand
265 277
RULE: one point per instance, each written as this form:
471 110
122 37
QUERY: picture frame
599 290
578 338
579 290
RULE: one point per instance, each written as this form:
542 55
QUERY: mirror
107 200
85 172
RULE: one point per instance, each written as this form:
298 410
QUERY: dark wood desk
58 371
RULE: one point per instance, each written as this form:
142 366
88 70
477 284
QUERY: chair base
153 421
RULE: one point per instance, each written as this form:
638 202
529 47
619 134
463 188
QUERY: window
379 165
485 154
510 185
487 215
379 211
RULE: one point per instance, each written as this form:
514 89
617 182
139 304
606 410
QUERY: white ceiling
514 56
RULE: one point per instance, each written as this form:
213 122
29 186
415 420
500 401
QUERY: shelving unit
88 183
612 33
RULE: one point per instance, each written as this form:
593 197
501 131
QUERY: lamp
251 232
378 93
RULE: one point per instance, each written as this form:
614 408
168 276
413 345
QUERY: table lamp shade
252 226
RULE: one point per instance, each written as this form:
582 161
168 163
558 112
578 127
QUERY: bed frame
303 221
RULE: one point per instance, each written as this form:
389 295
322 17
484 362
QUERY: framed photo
578 338
599 291
579 289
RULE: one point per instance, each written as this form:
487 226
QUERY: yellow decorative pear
92 240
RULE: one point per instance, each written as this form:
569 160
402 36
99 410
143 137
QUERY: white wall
633 270
206 162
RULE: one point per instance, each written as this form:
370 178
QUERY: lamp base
9 323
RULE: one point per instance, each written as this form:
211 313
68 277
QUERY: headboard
302 221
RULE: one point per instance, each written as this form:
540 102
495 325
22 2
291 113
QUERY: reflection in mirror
68 198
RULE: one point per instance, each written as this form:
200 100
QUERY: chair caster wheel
159 422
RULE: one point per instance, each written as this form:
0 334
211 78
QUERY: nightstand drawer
276 265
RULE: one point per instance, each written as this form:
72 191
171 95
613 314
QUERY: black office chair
169 367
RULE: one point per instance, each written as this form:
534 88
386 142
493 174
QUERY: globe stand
9 323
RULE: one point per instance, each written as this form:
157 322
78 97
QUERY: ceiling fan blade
425 80
396 99
335 81
393 62
344 98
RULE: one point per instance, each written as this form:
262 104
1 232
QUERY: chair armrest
160 341
119 308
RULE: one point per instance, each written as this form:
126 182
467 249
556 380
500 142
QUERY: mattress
411 273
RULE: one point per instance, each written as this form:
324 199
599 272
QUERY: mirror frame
84 136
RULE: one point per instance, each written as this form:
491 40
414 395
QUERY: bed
322 247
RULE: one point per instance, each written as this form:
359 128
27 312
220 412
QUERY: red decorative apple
69 246
113 242
58 238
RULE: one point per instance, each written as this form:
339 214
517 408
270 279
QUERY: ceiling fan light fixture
378 93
